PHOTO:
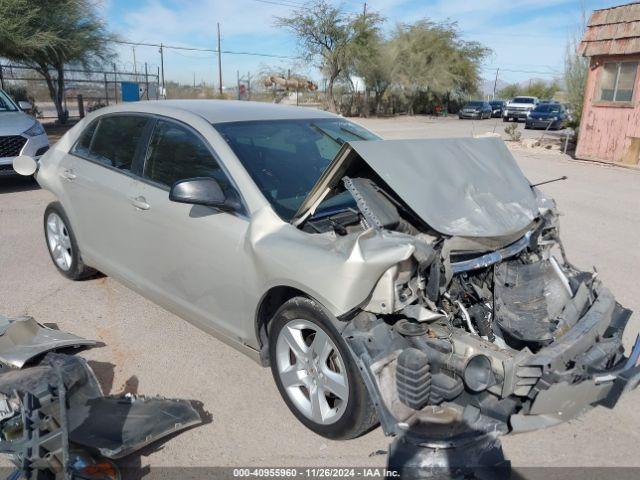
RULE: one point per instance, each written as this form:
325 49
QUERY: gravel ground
155 352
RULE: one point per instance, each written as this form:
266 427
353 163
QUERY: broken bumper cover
558 397
564 401
23 339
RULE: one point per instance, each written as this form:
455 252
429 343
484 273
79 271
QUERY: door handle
68 175
140 203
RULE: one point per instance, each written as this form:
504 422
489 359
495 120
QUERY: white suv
519 108
20 134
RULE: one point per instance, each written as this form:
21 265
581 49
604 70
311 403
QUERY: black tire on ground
360 414
77 270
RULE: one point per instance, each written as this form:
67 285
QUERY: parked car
20 134
372 288
519 108
547 115
497 108
475 109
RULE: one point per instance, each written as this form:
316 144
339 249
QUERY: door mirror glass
199 191
25 106
25 165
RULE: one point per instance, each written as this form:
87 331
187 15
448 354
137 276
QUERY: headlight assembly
35 130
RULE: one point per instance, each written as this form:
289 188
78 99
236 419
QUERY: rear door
101 176
192 257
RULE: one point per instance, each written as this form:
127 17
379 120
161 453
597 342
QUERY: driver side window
176 153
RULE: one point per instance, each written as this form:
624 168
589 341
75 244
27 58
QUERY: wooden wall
608 132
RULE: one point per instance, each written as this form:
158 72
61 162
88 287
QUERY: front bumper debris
583 368
23 339
54 416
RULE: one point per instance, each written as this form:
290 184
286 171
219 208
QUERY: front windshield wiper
351 132
339 141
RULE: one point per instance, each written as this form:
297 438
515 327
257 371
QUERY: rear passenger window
84 143
112 140
176 153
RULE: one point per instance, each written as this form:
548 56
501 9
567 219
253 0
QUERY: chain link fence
85 90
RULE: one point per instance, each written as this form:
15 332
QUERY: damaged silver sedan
400 282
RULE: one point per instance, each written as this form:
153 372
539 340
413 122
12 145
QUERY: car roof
222 111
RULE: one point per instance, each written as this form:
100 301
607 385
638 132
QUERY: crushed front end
487 326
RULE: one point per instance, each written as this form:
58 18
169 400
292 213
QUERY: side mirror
202 191
25 106
25 165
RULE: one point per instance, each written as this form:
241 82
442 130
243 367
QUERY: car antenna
564 177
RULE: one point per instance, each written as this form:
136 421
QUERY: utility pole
164 93
115 82
146 80
135 70
364 11
495 84
219 60
194 79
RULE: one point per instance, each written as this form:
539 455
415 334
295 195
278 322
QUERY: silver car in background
394 281
20 134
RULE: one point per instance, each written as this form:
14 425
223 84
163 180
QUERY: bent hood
468 187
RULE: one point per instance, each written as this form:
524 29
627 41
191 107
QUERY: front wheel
315 372
62 244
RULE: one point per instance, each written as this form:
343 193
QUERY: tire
307 326
62 244
505 119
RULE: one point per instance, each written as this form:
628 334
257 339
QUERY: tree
371 58
49 35
510 91
327 33
431 57
576 68
535 88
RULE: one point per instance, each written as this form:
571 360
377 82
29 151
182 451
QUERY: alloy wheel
59 242
312 371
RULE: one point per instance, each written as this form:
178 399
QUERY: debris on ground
55 421
22 339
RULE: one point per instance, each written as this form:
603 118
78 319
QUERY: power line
535 72
211 50
284 3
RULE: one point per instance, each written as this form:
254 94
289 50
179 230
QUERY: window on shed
617 81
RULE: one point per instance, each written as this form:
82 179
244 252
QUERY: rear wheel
62 244
315 372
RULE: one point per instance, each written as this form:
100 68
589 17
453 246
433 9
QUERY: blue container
130 91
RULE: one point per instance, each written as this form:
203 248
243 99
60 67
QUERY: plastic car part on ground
54 416
22 339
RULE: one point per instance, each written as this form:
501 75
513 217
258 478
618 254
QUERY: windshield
496 103
547 107
6 104
285 158
474 104
523 100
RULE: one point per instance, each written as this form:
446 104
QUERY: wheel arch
270 302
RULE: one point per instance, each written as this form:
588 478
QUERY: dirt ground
153 351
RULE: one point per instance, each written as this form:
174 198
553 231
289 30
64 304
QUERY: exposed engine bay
500 332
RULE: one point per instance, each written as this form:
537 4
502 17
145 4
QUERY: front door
191 257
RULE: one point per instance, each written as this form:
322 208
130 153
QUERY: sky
528 38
